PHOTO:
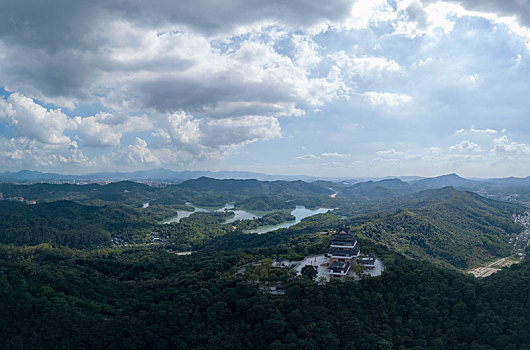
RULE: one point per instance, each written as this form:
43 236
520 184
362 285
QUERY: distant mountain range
164 175
399 183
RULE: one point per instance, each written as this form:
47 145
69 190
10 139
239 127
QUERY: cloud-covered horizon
348 88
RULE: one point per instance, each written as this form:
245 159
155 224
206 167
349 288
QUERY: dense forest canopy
138 298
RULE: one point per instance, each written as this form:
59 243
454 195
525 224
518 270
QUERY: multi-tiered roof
343 246
343 252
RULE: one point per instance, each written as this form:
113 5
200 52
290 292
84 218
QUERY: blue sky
335 88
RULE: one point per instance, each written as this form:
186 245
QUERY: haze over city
336 88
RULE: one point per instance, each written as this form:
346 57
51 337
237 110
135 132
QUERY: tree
309 271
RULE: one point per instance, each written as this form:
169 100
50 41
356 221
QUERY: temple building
343 253
368 261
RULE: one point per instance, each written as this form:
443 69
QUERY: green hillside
65 223
460 229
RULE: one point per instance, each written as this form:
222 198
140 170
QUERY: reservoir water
238 214
299 213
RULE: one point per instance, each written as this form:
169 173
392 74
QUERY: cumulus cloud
50 126
140 154
465 146
34 121
24 152
179 128
96 133
503 146
205 137
240 131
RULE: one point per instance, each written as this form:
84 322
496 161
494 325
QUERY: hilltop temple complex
344 254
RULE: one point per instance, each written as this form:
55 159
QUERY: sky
323 88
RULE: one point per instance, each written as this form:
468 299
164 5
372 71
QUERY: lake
299 213
238 214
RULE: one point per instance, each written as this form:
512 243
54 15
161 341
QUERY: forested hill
370 190
458 228
63 222
124 192
251 194
254 187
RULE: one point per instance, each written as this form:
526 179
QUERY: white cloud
366 64
474 130
422 62
369 12
96 133
203 137
484 131
140 154
50 126
235 132
308 156
503 145
34 121
363 65
465 146
306 51
179 128
432 150
387 98
334 155
390 152
29 153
